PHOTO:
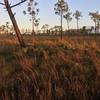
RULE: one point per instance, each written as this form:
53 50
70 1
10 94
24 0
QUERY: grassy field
50 69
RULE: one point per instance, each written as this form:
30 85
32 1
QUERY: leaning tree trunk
16 28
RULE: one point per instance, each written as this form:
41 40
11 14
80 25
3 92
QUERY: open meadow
50 69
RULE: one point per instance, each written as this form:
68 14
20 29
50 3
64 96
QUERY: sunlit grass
50 69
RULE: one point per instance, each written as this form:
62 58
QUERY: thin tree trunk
16 28
95 27
99 26
33 32
68 25
61 26
77 25
37 29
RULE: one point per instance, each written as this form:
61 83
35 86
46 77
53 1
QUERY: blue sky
47 15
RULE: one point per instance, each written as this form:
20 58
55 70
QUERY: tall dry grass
50 69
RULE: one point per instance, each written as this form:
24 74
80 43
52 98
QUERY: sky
47 14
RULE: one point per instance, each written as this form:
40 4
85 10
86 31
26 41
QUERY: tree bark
16 28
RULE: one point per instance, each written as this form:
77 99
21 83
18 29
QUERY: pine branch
22 1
